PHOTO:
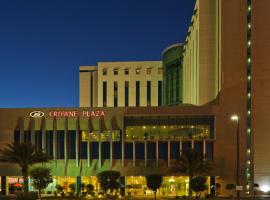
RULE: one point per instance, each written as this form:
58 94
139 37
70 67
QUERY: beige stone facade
120 73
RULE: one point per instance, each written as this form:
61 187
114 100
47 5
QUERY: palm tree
25 155
191 162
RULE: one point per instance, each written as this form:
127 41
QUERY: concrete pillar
66 141
204 148
21 131
134 153
157 153
192 144
99 149
77 142
180 147
169 153
88 149
54 139
33 133
123 146
145 153
111 149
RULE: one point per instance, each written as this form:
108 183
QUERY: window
160 70
126 93
126 71
138 70
148 93
104 94
115 96
148 71
115 71
137 93
104 72
159 93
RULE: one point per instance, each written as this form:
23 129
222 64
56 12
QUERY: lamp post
236 119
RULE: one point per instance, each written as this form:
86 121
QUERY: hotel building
138 117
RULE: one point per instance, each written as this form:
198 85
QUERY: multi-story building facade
121 84
221 70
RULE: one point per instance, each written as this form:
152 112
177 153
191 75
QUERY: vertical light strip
249 97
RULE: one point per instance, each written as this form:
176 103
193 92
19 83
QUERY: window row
127 93
138 71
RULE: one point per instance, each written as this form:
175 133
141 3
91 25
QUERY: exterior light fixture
234 117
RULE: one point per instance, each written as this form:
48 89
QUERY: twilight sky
43 42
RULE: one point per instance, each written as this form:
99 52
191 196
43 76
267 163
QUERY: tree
231 187
25 155
41 177
72 187
89 189
198 185
109 180
191 162
154 182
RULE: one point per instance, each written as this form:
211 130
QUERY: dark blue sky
43 42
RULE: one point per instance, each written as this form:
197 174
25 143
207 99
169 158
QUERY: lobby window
137 93
148 93
126 93
104 94
126 71
148 71
172 88
115 71
138 70
104 72
115 96
159 93
160 70
71 144
16 136
177 85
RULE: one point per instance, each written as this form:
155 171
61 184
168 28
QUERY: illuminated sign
69 113
36 114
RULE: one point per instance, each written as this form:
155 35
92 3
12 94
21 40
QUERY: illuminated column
180 147
204 149
65 140
99 149
32 121
77 142
192 144
21 131
111 149
169 153
123 148
43 132
145 153
157 153
134 155
54 139
88 149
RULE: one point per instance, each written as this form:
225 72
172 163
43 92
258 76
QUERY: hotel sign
69 113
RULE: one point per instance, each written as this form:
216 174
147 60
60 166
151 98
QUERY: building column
122 182
66 140
180 148
88 149
123 146
157 153
169 153
55 140
99 149
145 153
21 131
204 149
192 144
77 142
111 149
78 184
33 135
134 153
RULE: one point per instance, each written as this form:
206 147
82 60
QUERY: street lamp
236 119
